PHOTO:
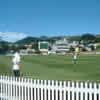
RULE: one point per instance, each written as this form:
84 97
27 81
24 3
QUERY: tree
21 46
3 47
88 38
12 47
97 39
3 44
92 47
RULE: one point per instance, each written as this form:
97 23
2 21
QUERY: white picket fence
12 88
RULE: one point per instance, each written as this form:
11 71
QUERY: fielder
75 54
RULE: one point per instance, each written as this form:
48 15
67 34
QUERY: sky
22 18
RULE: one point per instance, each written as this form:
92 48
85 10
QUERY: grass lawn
56 67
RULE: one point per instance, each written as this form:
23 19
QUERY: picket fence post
19 88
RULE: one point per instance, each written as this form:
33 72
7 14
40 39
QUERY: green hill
27 40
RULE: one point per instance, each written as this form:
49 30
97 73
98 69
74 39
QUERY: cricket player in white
77 51
16 65
75 58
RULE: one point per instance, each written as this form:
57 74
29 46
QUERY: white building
61 46
64 45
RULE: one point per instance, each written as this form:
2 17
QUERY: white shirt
75 57
15 64
17 56
77 49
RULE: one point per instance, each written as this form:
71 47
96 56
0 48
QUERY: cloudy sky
12 36
22 18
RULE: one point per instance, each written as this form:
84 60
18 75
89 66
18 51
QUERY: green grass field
56 67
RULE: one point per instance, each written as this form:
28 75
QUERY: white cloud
12 36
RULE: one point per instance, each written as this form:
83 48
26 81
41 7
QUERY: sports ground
55 67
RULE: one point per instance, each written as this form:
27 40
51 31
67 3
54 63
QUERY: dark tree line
5 46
